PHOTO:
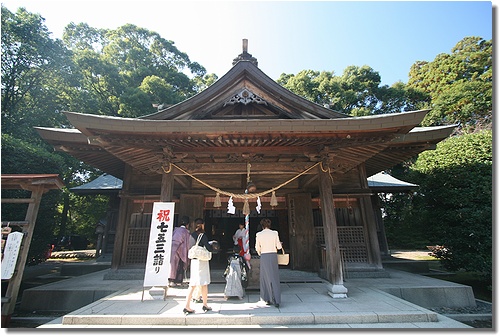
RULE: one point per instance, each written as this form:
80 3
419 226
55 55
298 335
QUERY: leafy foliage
34 68
453 207
125 71
401 233
357 92
19 157
459 85
85 213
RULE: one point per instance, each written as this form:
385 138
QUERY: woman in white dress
199 271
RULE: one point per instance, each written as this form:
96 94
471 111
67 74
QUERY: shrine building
248 140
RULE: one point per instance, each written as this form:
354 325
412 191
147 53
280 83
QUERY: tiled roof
103 184
385 182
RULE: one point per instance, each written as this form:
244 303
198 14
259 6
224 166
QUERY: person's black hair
266 223
184 220
198 223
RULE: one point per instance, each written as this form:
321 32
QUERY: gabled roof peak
245 56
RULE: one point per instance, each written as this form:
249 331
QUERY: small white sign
160 245
10 253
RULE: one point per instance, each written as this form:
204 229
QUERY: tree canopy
459 86
129 70
456 182
33 71
357 92
119 72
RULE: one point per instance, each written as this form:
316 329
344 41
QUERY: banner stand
160 244
165 288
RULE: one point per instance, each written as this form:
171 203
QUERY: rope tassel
246 208
217 202
274 200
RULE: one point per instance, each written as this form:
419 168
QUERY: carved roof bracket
95 140
329 161
245 97
163 159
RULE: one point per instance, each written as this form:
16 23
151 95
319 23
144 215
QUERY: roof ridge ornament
245 56
245 96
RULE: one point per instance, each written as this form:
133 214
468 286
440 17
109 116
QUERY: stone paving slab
304 304
307 307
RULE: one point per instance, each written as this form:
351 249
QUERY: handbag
199 252
284 258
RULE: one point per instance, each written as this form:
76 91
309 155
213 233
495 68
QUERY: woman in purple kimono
179 253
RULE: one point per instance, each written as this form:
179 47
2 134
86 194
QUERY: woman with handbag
267 242
200 269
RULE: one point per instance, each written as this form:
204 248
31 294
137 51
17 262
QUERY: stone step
249 318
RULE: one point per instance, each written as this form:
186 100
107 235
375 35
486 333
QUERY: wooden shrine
309 166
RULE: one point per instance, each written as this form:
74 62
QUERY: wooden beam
241 168
18 200
183 181
15 223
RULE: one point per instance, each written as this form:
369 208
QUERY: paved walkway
305 304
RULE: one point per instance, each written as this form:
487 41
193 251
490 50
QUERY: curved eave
404 147
57 135
95 125
76 144
432 135
246 74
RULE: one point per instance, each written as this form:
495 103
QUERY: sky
288 36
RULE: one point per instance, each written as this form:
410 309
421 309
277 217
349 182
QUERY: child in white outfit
235 273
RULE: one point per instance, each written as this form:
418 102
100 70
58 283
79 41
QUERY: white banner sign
160 245
10 253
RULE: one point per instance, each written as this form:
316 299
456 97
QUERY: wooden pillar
334 261
167 187
122 222
370 225
382 238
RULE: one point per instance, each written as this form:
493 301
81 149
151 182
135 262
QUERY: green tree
114 72
401 233
20 157
454 203
128 70
459 85
34 67
357 92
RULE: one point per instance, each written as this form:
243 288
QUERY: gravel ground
482 307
